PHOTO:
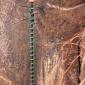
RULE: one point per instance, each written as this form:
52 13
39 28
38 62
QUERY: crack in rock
5 80
63 8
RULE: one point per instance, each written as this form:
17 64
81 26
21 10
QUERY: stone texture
14 43
60 34
60 38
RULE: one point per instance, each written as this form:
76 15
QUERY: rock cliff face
60 29
60 42
13 43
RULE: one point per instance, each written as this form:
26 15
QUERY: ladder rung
32 55
33 82
32 79
32 68
32 59
31 8
32 51
31 29
32 72
32 18
32 47
31 24
31 43
31 33
31 38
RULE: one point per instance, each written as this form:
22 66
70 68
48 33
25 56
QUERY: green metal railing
32 43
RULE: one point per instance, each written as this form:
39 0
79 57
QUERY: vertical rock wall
59 41
14 42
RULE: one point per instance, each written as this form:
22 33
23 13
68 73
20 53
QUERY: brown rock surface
60 42
60 33
13 43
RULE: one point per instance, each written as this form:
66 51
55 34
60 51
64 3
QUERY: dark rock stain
41 8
